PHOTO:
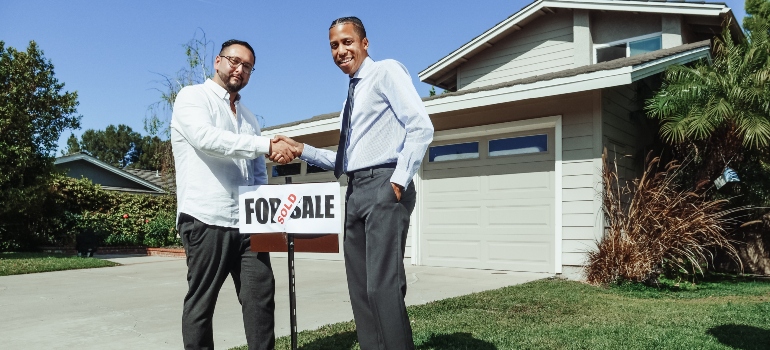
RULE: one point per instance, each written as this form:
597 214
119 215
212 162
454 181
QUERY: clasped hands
283 149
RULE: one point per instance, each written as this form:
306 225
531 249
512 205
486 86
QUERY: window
469 150
518 145
287 169
312 169
628 47
644 46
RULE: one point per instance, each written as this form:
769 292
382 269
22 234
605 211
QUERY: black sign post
292 291
288 242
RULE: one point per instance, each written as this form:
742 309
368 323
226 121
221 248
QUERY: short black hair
237 42
359 26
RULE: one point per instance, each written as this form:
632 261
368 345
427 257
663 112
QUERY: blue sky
110 51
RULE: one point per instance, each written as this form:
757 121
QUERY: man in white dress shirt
217 148
384 134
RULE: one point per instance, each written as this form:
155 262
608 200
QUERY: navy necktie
344 130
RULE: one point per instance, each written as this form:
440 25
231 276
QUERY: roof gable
114 178
444 72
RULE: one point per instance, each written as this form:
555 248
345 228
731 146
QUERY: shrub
652 226
75 206
161 231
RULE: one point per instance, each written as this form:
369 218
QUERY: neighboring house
512 178
109 177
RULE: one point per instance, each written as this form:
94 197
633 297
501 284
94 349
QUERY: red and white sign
297 208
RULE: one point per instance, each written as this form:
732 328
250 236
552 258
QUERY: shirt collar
220 91
364 69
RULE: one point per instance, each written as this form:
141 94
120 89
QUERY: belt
369 171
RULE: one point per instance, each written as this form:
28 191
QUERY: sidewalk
139 305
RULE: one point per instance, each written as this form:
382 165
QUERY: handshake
283 149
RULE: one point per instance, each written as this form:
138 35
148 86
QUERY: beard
229 85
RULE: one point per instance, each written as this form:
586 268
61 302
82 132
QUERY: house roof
628 68
444 70
153 176
609 65
151 187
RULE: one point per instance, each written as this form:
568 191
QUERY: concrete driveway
139 305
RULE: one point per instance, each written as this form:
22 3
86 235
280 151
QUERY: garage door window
287 169
518 145
458 151
312 169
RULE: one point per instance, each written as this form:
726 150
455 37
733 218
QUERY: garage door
488 202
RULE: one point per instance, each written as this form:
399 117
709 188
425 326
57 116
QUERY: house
512 178
112 178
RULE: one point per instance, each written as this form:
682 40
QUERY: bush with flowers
76 206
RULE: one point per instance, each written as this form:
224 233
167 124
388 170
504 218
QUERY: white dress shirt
215 151
389 123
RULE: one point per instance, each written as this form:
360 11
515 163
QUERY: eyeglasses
235 62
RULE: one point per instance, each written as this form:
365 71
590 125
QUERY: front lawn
556 314
22 263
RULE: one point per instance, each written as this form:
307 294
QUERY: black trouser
376 225
213 252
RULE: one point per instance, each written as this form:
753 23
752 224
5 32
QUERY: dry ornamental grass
651 224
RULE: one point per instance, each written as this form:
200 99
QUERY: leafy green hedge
77 206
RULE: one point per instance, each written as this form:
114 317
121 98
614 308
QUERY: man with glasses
217 148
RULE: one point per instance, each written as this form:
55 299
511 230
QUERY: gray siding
619 133
611 26
543 46
579 180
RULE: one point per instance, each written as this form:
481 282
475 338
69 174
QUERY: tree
718 114
116 146
34 111
727 101
149 153
200 53
73 146
758 15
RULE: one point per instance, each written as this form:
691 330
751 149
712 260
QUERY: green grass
720 313
22 263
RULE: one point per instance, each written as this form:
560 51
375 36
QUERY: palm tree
728 98
718 113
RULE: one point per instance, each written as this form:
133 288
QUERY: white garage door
488 202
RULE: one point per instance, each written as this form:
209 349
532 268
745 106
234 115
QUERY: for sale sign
301 208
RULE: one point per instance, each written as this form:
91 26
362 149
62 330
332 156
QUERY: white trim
479 41
511 23
417 233
683 8
557 200
627 41
496 129
636 38
654 67
554 122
